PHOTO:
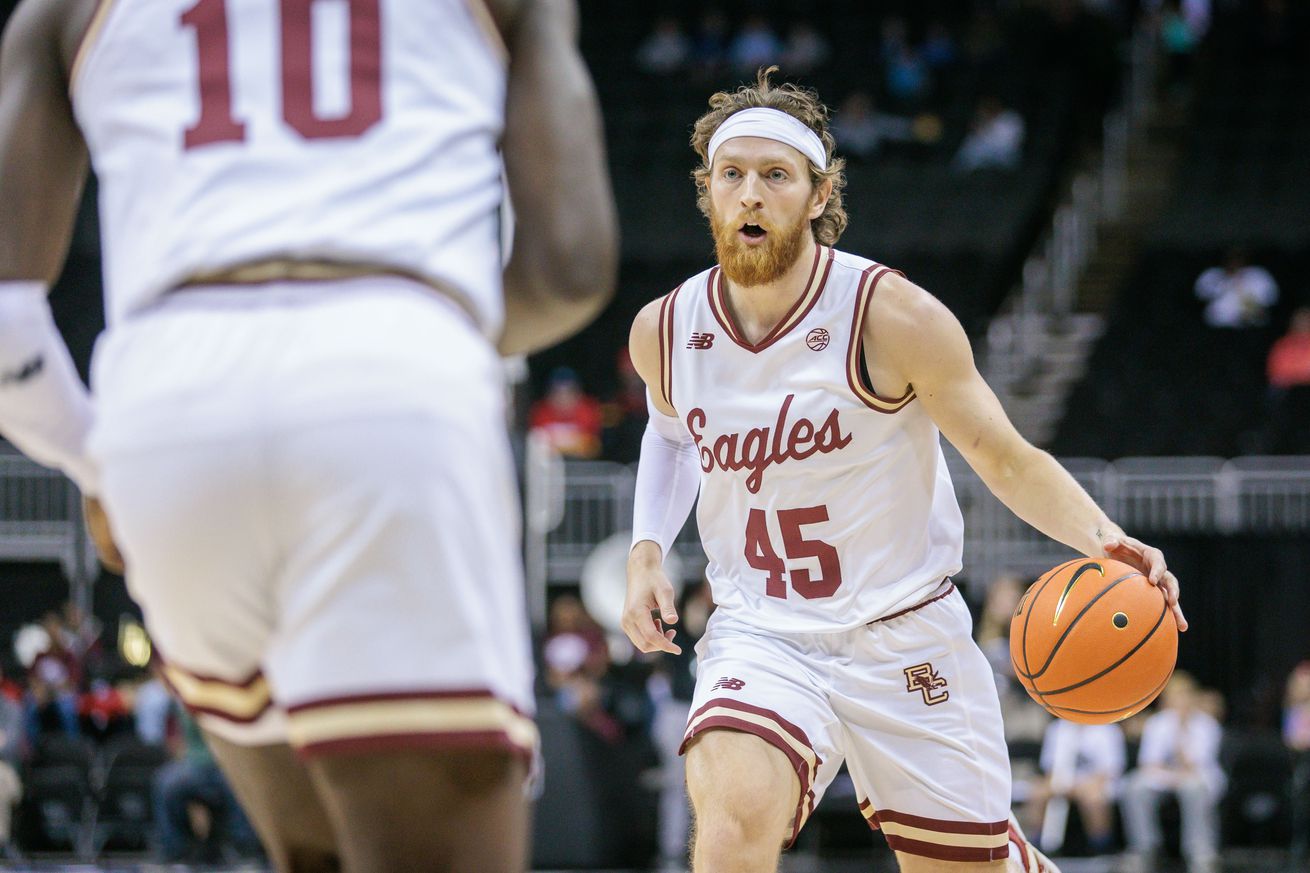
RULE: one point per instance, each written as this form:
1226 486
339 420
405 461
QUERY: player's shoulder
899 307
852 270
649 316
41 29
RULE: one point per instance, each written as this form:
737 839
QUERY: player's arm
668 480
564 261
919 340
44 408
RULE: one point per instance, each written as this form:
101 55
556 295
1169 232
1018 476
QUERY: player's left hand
97 524
1150 561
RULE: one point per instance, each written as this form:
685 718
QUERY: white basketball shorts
907 701
313 489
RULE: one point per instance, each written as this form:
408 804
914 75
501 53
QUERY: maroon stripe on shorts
945 826
939 852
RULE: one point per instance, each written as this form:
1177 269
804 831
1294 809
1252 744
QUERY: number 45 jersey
823 505
226 132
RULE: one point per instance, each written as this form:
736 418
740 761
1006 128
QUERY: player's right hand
649 606
97 524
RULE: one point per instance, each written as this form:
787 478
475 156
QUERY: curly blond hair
802 104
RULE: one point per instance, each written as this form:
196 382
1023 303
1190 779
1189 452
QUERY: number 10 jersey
823 505
226 132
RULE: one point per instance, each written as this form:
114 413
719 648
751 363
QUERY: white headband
771 124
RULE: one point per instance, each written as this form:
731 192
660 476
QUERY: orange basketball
1093 641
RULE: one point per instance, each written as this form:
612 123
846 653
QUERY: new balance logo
700 341
924 679
29 370
729 684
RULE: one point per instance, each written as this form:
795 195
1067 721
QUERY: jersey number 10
208 18
761 555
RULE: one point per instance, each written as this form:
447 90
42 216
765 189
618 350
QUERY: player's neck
757 309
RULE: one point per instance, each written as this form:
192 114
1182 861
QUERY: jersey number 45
761 555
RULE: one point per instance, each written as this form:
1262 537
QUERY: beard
747 266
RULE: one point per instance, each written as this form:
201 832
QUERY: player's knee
742 792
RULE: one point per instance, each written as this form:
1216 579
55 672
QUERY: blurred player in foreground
297 432
800 390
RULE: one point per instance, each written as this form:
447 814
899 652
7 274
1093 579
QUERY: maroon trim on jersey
855 351
804 303
806 800
919 605
390 696
668 373
663 334
222 713
210 710
486 22
243 683
94 25
448 740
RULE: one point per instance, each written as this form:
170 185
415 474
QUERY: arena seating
962 237
1160 382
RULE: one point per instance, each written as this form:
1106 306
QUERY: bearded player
298 427
800 390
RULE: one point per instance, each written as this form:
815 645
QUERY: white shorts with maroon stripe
908 702
313 488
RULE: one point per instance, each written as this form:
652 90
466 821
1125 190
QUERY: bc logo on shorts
924 679
728 684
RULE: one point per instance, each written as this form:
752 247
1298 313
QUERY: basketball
1093 641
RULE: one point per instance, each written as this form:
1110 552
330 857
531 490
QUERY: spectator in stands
906 74
1024 720
569 617
11 756
568 417
1237 294
860 129
1287 420
1179 755
82 637
195 810
993 633
995 139
1183 25
1289 359
103 711
577 690
51 702
806 50
754 46
939 50
9 689
152 707
710 46
666 50
1296 734
624 415
1083 764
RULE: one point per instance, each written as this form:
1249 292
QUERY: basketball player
800 390
297 431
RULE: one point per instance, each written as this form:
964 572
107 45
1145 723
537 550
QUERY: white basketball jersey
226 132
822 504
